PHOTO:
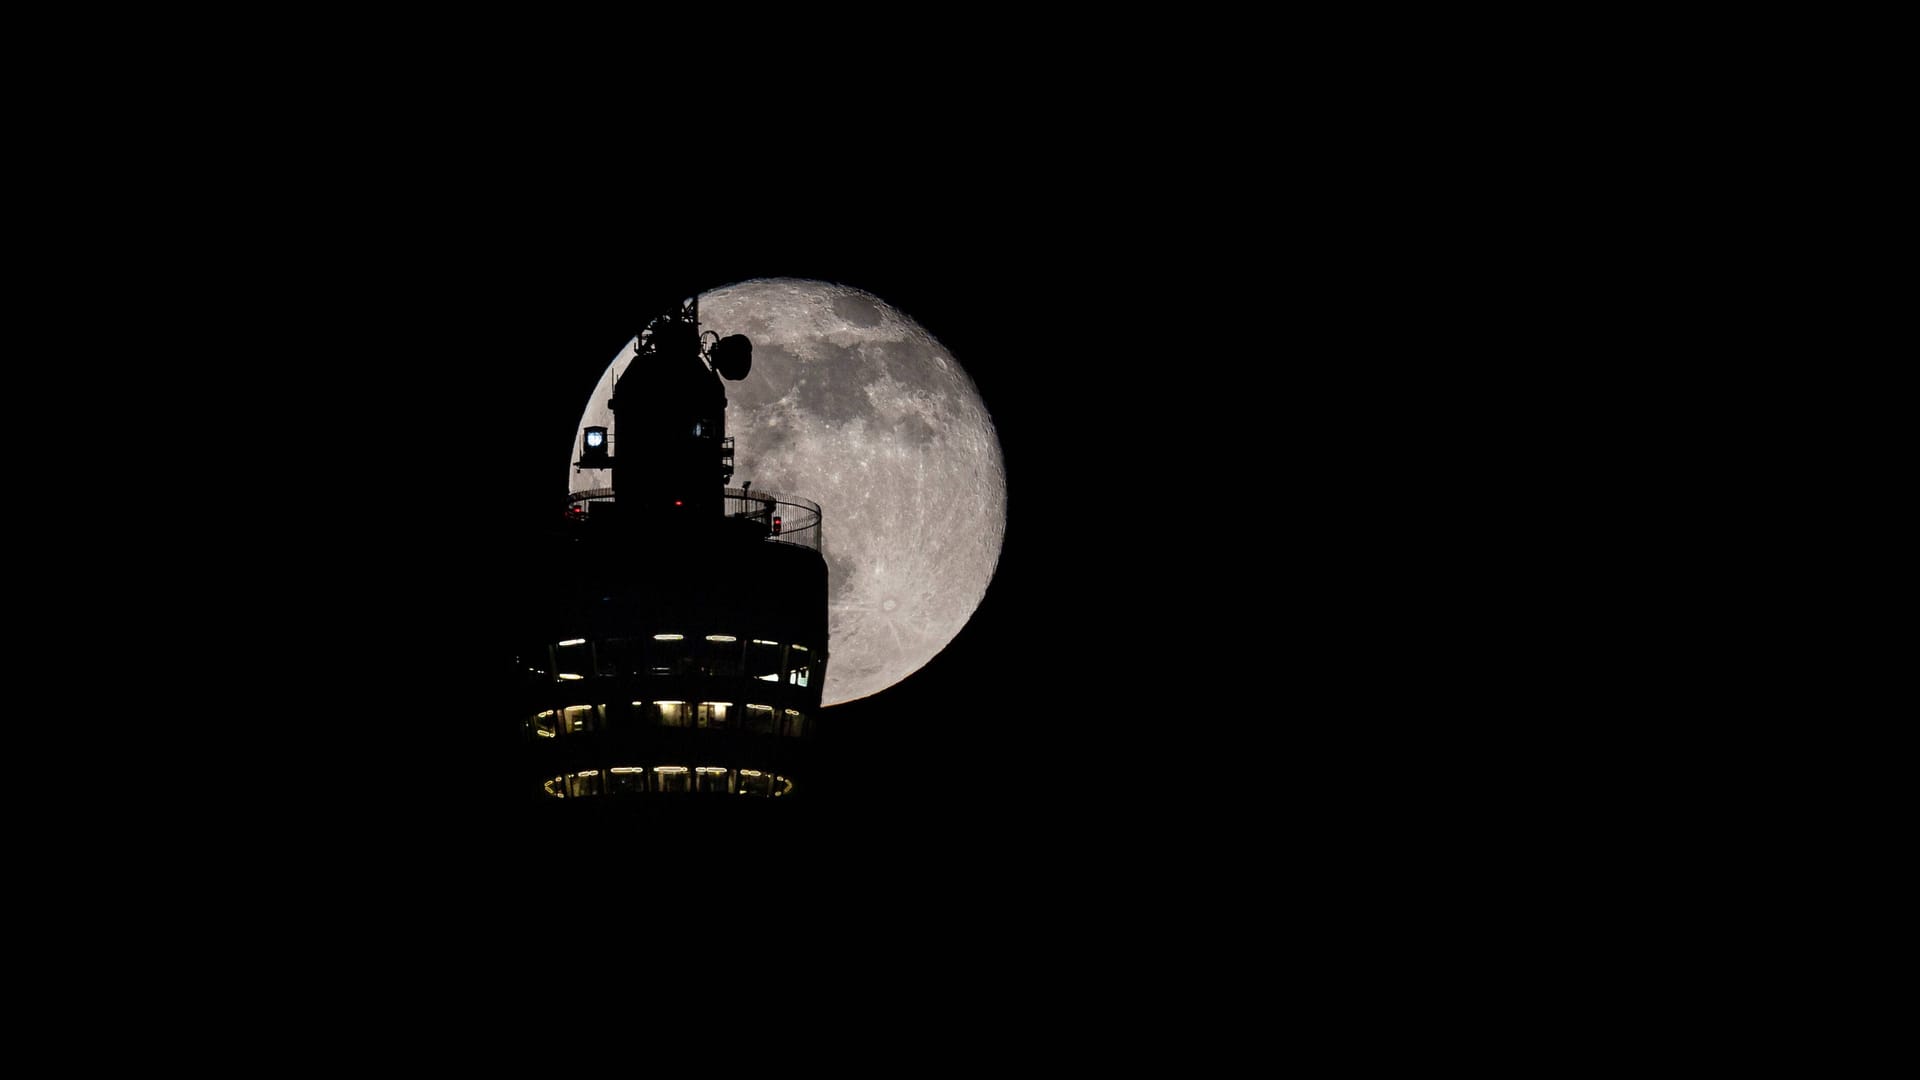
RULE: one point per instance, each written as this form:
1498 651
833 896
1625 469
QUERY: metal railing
784 519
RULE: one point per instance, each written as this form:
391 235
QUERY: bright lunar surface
851 404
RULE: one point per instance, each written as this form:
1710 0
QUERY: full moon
854 406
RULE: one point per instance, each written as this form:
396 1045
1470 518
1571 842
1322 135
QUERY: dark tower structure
683 651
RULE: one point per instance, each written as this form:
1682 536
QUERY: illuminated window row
716 715
671 779
725 655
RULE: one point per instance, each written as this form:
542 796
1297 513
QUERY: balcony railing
784 519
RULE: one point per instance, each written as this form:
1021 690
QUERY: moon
852 404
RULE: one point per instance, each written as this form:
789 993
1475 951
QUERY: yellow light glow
709 770
793 712
751 772
769 678
622 770
669 637
575 641
549 712
589 772
669 703
721 704
762 708
578 708
802 648
637 704
543 733
762 641
672 770
721 637
570 675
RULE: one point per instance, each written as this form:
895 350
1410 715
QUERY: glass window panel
763 660
578 718
722 655
614 657
669 654
573 660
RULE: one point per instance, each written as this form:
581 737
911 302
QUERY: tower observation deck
682 645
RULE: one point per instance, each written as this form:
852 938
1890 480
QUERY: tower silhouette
681 640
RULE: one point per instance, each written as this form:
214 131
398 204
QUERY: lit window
581 784
712 780
574 658
626 780
667 654
556 787
798 676
670 778
670 713
760 719
754 782
763 660
543 724
712 714
792 722
720 655
577 718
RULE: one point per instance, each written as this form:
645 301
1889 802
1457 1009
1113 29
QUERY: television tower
684 650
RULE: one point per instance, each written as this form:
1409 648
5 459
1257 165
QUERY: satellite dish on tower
733 357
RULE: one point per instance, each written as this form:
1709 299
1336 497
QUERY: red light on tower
776 525
676 502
